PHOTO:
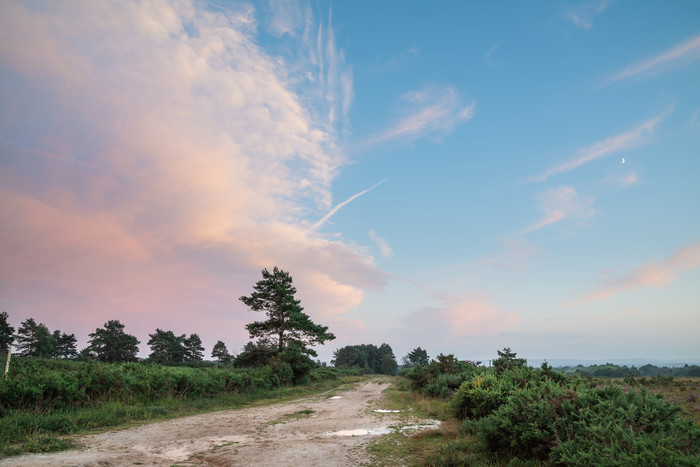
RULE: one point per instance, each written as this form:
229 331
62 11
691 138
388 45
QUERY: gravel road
312 431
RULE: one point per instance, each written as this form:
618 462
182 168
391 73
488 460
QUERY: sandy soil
334 434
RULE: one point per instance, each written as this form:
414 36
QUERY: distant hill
637 362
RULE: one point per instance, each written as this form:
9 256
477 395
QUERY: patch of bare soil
318 430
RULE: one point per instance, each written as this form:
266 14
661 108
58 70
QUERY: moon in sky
623 160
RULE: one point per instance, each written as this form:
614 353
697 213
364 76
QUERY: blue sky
458 176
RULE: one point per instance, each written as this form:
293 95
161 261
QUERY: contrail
335 209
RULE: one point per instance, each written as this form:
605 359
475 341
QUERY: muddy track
318 430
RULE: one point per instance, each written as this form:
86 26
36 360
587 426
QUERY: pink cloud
606 147
432 110
685 52
473 315
200 165
656 274
561 203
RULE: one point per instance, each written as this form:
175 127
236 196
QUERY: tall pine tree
286 321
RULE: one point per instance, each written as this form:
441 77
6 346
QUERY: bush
442 377
46 385
572 425
480 395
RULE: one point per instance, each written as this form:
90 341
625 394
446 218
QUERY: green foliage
298 362
64 345
481 394
111 344
34 339
194 351
611 370
441 377
286 322
42 385
220 353
166 347
507 361
416 356
256 354
6 333
522 415
367 357
576 425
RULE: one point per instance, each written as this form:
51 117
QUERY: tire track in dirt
273 435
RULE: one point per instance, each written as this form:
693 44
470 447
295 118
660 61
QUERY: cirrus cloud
561 203
430 110
606 147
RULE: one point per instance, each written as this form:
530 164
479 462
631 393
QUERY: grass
291 417
34 432
411 448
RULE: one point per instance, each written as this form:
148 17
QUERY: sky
459 176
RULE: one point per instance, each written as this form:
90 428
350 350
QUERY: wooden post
7 362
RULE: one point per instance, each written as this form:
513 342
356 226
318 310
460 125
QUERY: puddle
385 430
336 397
388 411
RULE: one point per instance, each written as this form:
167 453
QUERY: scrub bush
575 425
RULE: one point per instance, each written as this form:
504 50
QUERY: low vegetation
517 415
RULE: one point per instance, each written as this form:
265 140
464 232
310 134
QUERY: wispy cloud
393 63
656 274
695 119
683 53
51 155
583 14
623 180
561 203
337 207
384 247
211 154
512 256
608 146
431 110
488 57
284 17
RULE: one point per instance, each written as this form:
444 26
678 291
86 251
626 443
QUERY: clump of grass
292 417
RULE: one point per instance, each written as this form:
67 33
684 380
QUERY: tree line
284 340
110 344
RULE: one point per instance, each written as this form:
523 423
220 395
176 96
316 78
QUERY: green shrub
480 395
573 425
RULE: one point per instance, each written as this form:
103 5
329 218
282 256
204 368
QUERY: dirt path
317 430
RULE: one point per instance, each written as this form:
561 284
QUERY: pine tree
166 347
507 360
286 322
416 356
111 344
194 352
64 345
220 353
34 340
6 333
